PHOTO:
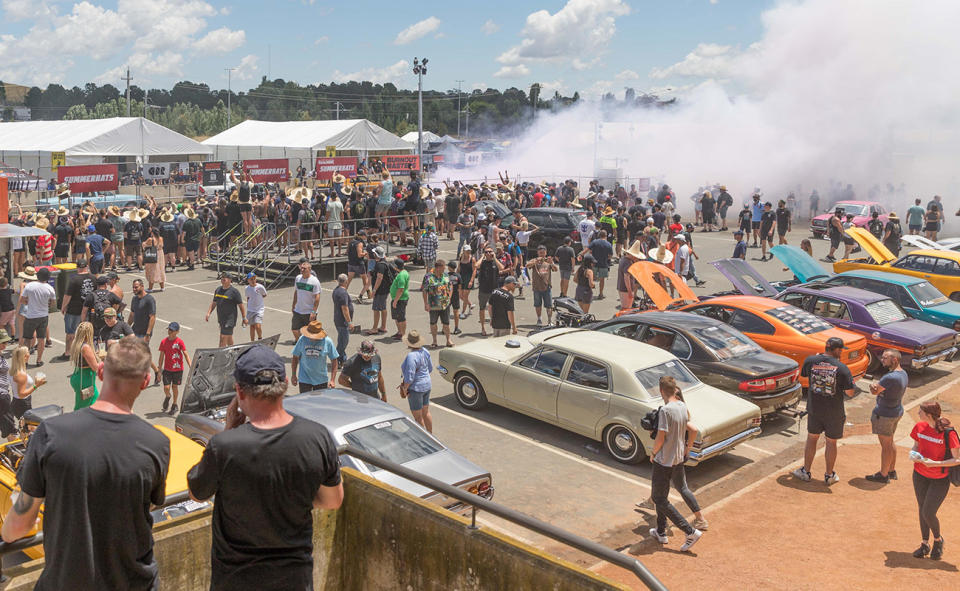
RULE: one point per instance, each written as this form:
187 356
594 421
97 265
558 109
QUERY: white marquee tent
301 141
428 138
29 144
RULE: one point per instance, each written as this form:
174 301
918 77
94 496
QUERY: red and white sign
401 164
91 177
268 171
345 165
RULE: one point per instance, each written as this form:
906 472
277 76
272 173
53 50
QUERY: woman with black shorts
584 281
468 272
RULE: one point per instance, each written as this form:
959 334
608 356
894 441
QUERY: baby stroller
567 312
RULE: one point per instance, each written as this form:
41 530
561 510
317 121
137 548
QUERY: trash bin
66 271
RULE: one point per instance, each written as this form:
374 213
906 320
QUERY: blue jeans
343 339
464 238
418 400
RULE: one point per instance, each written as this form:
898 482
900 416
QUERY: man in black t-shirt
784 221
829 380
100 539
565 256
80 286
768 220
96 304
502 319
114 328
488 275
226 299
267 476
363 372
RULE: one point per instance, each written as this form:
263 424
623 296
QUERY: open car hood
921 242
744 277
804 266
645 272
210 380
873 247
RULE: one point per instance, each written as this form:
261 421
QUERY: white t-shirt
306 290
255 295
681 264
523 237
335 211
38 294
586 228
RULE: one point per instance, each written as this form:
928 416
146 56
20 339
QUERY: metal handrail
531 523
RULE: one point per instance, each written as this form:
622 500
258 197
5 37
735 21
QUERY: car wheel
623 444
817 236
955 296
201 442
469 392
873 364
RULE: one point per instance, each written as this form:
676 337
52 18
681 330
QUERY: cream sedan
596 384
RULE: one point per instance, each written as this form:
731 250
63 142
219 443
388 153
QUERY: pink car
861 210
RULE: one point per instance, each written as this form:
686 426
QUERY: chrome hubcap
468 389
623 441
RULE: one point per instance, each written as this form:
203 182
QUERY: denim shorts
70 323
418 400
542 299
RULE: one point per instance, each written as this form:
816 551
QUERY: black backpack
101 301
953 472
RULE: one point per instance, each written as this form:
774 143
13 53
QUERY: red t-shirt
172 354
930 445
537 199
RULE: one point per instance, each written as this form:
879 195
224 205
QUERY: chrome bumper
926 360
722 446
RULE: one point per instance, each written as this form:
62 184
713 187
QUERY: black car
555 224
717 353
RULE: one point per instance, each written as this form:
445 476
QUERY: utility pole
128 79
420 69
459 83
467 111
229 92
145 98
268 61
338 104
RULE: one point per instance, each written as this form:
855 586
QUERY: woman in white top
22 384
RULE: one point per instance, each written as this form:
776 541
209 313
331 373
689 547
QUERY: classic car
861 210
595 384
916 296
804 267
184 454
940 267
100 200
350 417
718 354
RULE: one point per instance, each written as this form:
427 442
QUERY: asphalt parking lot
541 470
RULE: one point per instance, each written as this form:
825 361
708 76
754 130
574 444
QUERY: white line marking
168 322
754 448
208 293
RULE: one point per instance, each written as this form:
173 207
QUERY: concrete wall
380 539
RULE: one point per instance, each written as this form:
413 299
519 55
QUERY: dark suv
555 223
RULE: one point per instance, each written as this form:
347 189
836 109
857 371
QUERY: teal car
916 296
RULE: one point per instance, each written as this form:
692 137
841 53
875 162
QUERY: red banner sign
214 165
92 177
268 171
345 165
401 164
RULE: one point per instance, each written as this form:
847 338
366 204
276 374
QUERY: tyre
623 444
873 362
469 392
955 296
818 235
201 442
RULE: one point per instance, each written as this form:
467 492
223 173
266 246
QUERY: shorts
305 387
452 217
227 329
299 321
883 425
933 227
380 302
10 316
70 323
411 207
834 241
399 312
566 274
335 232
847 240
35 326
192 245
134 249
442 315
172 377
61 253
755 225
542 299
382 209
357 269
483 298
603 272
255 317
915 227
246 206
501 332
455 300
306 235
832 427
418 400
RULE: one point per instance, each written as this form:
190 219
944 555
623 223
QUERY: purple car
878 318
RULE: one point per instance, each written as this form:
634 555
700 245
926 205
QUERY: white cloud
417 30
490 27
479 86
167 64
626 75
16 10
321 40
517 71
577 33
394 73
708 60
714 1
247 68
221 40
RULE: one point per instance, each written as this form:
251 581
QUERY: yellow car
940 267
184 454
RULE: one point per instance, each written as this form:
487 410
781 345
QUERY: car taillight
754 422
771 383
575 235
919 350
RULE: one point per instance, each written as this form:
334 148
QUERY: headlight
854 355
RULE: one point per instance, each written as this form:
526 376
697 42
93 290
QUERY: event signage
330 152
643 184
156 171
401 163
268 171
345 165
57 159
90 177
213 174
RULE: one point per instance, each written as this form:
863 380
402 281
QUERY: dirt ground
786 534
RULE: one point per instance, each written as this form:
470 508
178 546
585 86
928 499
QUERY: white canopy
302 140
28 144
428 137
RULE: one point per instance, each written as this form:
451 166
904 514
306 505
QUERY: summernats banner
345 165
91 177
268 171
401 164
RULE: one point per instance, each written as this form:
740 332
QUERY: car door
531 384
835 312
584 396
755 327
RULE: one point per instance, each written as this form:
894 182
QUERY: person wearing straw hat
416 384
35 298
62 232
45 243
133 239
117 223
892 233
190 232
626 284
171 236
308 361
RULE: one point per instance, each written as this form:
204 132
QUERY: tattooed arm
22 517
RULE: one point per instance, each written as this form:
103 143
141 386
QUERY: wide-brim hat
4 336
893 215
338 178
723 187
609 211
63 190
576 203
424 192
114 210
201 202
347 190
42 222
63 211
28 273
143 212
133 215
166 217
413 339
635 250
314 330
189 213
663 255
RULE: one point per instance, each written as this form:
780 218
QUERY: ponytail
932 409
942 424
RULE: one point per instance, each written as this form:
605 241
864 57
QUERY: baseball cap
250 275
111 312
225 275
102 280
509 279
834 343
304 260
112 275
174 326
738 233
379 252
368 348
259 365
466 248
680 238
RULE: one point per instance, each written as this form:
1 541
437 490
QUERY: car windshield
927 295
578 216
726 342
799 320
854 208
885 311
397 440
650 377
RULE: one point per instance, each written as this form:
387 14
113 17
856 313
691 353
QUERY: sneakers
937 551
801 474
457 331
878 477
831 478
892 475
922 551
691 540
173 410
647 504
166 404
701 524
662 538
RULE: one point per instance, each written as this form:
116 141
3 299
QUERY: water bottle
916 456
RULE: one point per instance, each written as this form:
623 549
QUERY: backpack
308 216
391 273
953 472
101 301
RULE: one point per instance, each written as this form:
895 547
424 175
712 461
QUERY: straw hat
338 178
723 187
133 215
28 273
42 222
143 213
63 211
201 202
576 203
314 331
662 255
347 190
300 194
609 211
424 192
635 251
189 213
113 210
166 216
235 196
413 340
63 190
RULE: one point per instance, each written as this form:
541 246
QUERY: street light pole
459 83
420 69
229 92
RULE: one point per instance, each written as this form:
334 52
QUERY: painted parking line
182 326
757 449
208 293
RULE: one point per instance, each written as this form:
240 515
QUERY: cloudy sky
593 46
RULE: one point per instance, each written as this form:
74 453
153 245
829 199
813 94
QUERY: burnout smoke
854 91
